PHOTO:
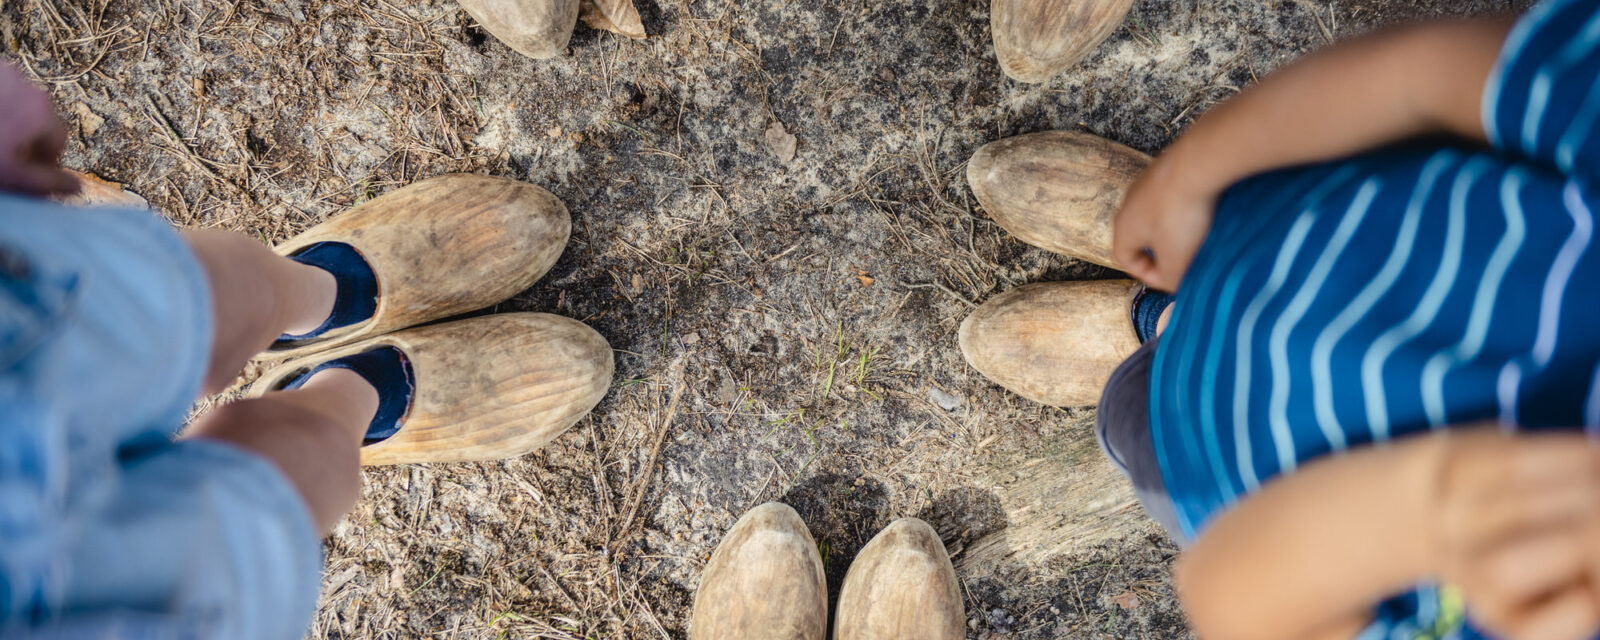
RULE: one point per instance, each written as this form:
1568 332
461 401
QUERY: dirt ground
783 330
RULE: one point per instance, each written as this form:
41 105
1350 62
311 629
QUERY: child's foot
901 586
483 388
437 248
764 582
1057 343
1036 39
1056 190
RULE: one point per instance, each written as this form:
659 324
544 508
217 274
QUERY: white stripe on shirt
1427 308
1515 41
1219 324
1278 341
1440 365
1247 325
1578 132
1566 262
1509 385
1544 81
1322 350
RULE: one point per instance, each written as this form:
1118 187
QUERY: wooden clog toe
441 247
764 582
1055 343
486 388
1036 39
901 586
1056 190
538 29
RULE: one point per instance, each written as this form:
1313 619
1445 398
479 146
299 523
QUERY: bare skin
313 434
32 140
1344 99
257 296
1509 519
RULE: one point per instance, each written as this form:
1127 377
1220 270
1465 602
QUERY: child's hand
32 138
1517 518
1161 225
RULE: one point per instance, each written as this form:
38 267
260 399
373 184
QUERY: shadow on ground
806 309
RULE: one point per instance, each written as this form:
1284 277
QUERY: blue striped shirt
1406 289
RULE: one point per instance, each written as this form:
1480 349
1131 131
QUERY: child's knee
311 448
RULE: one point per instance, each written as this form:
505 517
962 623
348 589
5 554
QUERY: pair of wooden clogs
488 387
1056 343
1033 39
765 582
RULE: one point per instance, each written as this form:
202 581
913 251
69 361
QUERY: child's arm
1503 517
1344 99
1311 553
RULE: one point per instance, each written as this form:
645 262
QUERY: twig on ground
940 286
625 531
170 131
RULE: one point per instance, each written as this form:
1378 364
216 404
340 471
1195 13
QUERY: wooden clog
535 28
441 247
1036 39
764 582
901 586
1054 343
617 16
94 191
487 388
1056 190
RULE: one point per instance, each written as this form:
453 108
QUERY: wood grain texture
487 388
616 16
1056 190
534 28
1036 39
901 586
441 247
1055 343
764 582
1065 498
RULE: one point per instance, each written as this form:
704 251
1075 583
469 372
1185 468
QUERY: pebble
1000 621
944 400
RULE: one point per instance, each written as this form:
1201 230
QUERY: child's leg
313 433
256 296
1122 425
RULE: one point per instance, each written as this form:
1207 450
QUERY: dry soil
802 313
